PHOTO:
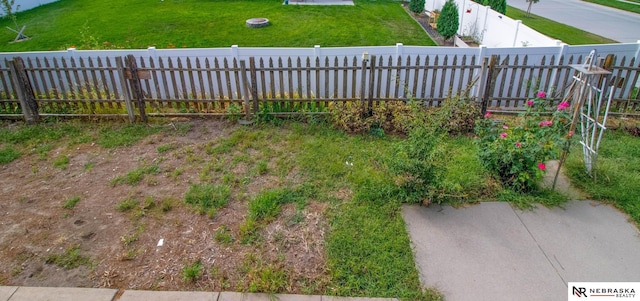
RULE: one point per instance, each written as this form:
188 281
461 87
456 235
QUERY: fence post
126 92
372 74
247 108
363 80
136 86
24 91
254 83
399 49
490 83
234 52
554 72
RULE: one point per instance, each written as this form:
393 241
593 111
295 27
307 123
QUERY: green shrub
497 5
414 165
516 154
448 22
456 116
416 6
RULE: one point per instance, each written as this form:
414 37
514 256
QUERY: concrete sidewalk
14 293
491 251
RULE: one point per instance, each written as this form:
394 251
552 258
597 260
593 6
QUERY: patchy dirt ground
123 247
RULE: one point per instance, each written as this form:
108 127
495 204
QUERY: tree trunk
529 9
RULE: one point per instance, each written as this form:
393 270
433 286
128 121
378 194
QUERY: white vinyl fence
491 28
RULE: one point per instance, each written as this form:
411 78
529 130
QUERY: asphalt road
611 23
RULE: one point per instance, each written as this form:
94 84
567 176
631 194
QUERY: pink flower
503 135
505 127
487 115
546 123
570 133
541 166
541 94
518 144
530 103
563 105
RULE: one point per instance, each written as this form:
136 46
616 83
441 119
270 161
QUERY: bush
414 166
497 5
448 21
416 6
390 117
516 154
457 116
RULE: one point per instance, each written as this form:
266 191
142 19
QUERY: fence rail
137 86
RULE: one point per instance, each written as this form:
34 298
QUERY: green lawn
217 23
565 33
635 8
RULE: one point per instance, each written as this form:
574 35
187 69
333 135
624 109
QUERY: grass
61 162
127 205
617 172
565 33
8 154
71 203
224 236
367 247
266 205
208 197
634 8
135 176
195 24
70 259
192 272
125 135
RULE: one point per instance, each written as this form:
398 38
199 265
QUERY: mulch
423 20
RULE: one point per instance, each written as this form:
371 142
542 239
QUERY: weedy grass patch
208 198
135 176
192 272
71 202
617 172
8 154
70 259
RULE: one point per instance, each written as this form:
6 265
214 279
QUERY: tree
7 8
497 5
448 20
531 2
416 6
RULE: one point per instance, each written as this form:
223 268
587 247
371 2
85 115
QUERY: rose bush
515 154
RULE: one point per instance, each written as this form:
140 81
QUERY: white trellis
590 97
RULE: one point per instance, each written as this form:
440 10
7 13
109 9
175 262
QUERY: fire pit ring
257 22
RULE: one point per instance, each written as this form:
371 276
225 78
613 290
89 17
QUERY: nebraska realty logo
603 291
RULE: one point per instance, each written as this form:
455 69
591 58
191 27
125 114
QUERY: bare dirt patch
149 245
